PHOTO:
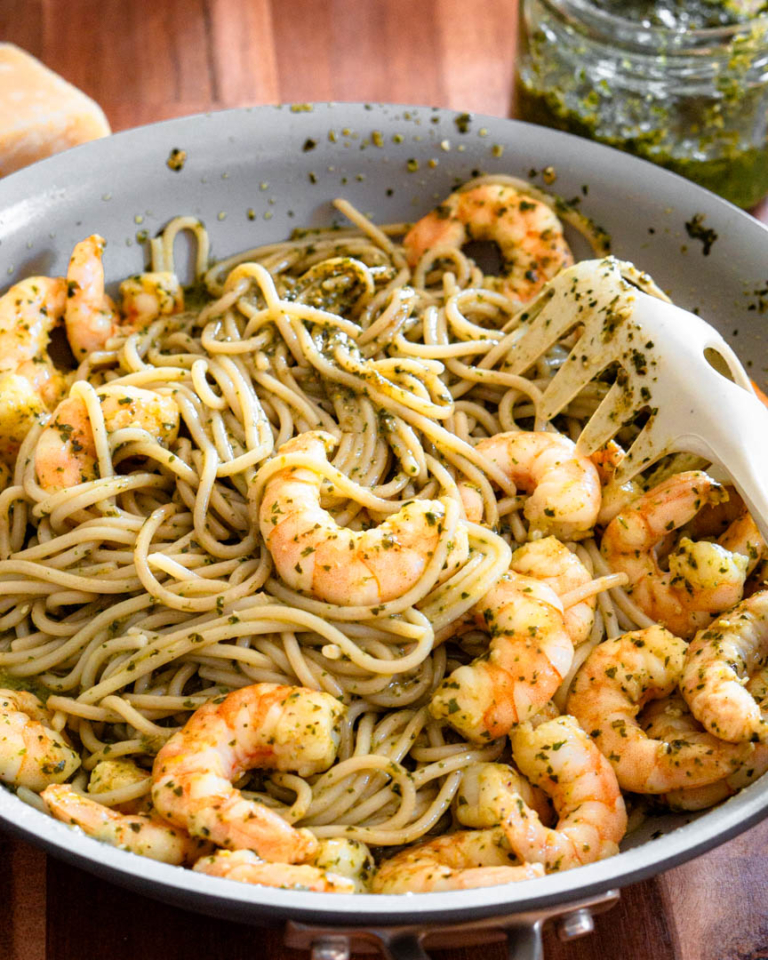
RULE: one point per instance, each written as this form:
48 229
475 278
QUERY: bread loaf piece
40 113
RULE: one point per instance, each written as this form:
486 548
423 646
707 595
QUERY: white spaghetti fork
665 358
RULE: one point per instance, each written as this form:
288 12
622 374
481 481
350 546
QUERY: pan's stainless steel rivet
330 948
576 924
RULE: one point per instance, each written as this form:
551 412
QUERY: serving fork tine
670 363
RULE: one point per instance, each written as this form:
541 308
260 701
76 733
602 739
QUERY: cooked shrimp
90 317
718 664
147 836
729 523
549 711
527 232
743 537
564 488
606 459
714 519
28 312
559 757
703 578
346 858
29 384
266 726
65 454
147 296
553 563
701 798
314 554
459 861
614 684
671 720
531 647
488 790
339 866
32 753
615 497
21 407
530 653
245 867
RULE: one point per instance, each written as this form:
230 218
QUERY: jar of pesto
683 83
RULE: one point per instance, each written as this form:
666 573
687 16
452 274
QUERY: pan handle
523 933
524 943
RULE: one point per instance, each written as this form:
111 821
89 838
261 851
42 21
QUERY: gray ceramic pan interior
254 175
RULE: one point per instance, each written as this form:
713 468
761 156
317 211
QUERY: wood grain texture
23 901
147 60
718 904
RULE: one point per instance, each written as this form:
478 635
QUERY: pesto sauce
29 684
648 81
196 296
686 14
739 174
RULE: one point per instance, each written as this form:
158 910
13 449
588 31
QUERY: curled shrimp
488 790
32 753
91 317
245 867
559 757
30 386
340 866
551 562
530 653
147 296
65 454
460 861
564 487
148 836
314 554
527 232
265 725
718 665
615 682
671 720
703 578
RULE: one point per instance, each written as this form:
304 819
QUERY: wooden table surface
146 60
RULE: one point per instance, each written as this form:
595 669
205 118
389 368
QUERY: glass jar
692 100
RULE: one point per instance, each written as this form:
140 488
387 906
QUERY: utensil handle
724 443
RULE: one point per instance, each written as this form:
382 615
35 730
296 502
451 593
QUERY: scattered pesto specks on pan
696 230
176 160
